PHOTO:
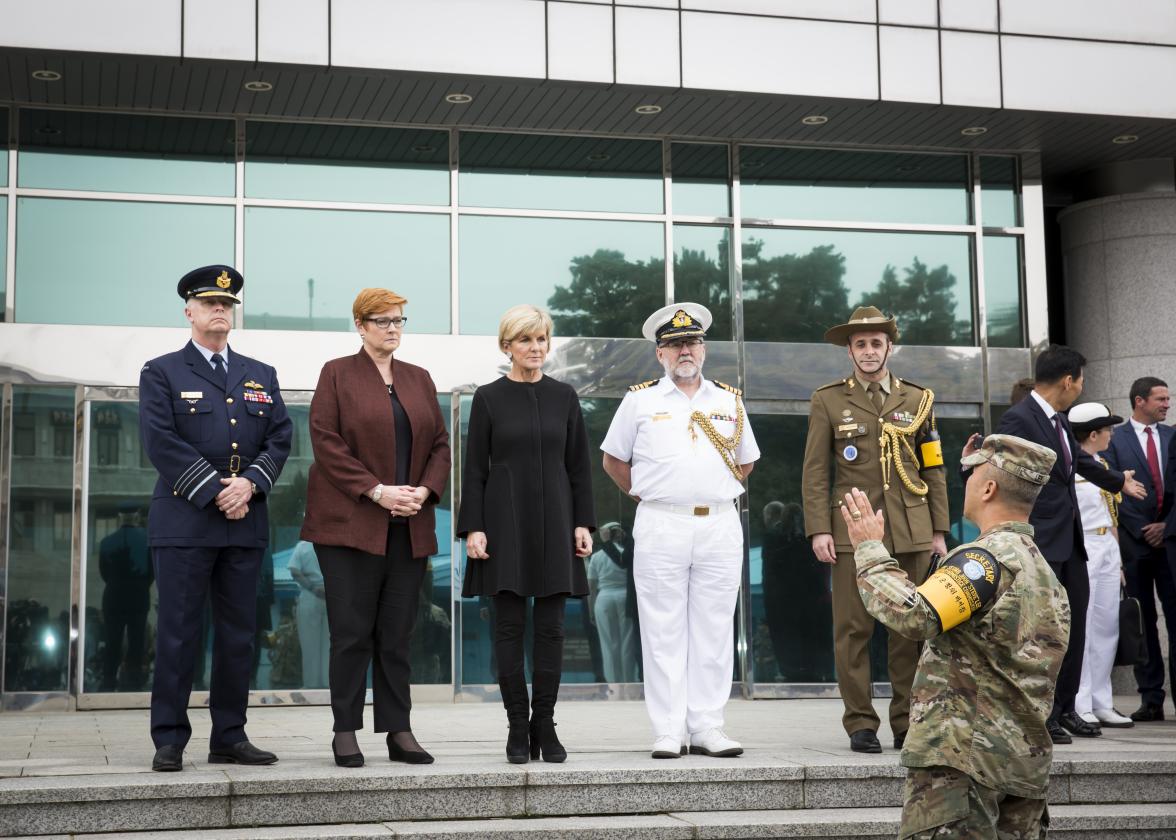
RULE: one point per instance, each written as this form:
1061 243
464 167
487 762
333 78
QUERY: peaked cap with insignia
211 281
678 320
1017 456
863 319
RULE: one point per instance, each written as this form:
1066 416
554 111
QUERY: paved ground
804 731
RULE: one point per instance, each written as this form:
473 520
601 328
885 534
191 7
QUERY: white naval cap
678 320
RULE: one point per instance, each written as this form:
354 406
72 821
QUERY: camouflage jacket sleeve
890 596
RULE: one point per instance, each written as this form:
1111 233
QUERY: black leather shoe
899 740
241 752
168 759
1148 713
1057 734
1077 726
398 753
352 760
865 741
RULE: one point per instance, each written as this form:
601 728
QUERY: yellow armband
965 583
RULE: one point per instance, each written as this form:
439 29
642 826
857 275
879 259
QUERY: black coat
527 484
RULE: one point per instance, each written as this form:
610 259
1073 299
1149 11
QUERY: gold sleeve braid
893 437
725 446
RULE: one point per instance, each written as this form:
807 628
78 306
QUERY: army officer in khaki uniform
876 432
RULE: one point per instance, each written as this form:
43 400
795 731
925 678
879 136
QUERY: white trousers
618 646
687 570
1102 624
314 638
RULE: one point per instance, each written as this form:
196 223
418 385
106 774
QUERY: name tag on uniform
191 395
847 427
662 415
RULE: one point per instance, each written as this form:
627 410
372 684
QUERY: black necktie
1057 419
218 364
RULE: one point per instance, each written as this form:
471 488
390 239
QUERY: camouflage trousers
942 802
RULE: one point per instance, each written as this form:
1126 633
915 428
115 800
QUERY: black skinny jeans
371 606
510 617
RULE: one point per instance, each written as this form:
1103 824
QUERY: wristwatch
377 493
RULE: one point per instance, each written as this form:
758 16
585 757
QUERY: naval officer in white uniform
682 446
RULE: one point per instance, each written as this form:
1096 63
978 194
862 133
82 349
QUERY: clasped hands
403 499
476 544
233 501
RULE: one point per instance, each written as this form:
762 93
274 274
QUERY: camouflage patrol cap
1016 456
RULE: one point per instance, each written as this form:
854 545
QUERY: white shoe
1089 718
715 743
1112 719
668 746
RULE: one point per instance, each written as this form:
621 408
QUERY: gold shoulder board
730 388
642 385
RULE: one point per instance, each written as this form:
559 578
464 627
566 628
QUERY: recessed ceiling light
258 86
48 131
459 99
423 148
1124 139
815 119
648 110
597 157
46 75
973 131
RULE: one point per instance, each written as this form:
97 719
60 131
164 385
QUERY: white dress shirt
1050 412
207 354
1141 435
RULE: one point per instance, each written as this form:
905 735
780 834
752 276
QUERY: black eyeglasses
384 323
679 343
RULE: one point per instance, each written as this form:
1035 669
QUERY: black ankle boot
544 742
514 698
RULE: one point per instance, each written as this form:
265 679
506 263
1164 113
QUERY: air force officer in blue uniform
214 425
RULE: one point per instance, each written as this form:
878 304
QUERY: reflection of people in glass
125 565
796 596
381 461
526 508
608 595
311 616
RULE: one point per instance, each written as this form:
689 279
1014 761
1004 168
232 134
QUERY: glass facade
464 224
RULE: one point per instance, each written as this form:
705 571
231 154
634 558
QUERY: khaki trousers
852 629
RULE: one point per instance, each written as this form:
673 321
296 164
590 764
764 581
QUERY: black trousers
1073 577
510 618
371 609
1150 573
183 578
132 623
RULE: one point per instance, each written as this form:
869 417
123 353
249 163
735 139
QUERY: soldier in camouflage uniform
996 624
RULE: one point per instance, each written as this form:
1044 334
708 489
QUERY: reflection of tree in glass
793 297
924 304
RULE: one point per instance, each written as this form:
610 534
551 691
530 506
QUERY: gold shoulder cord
1112 500
726 446
893 436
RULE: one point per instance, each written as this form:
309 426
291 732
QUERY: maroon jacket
354 440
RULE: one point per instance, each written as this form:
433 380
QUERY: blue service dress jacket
196 431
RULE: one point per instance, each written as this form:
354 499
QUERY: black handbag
1132 648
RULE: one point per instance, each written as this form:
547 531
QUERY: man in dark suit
1144 443
1057 527
214 425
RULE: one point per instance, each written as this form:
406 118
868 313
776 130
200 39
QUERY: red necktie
1057 418
1153 466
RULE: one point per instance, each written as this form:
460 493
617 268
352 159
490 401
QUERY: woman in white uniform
1092 424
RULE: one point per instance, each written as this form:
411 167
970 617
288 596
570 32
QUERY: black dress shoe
1056 733
241 752
398 753
865 741
1077 726
352 760
168 759
899 740
1148 713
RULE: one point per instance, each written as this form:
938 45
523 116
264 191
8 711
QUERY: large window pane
39 539
1000 201
74 150
597 278
798 283
1002 291
304 267
702 273
346 163
4 147
560 173
853 186
135 252
700 177
3 252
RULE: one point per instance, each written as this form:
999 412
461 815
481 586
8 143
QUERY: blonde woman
527 515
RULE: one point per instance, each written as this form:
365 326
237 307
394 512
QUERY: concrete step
1072 822
592 786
